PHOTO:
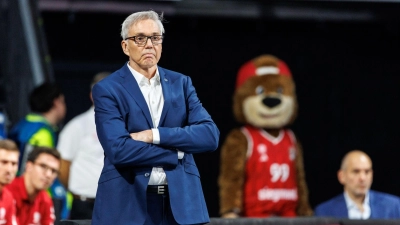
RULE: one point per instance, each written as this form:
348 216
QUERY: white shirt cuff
180 154
156 136
156 141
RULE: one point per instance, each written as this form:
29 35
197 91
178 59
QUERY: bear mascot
261 171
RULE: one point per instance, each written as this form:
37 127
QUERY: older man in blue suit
358 201
150 121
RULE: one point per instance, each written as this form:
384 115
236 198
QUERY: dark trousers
159 210
81 210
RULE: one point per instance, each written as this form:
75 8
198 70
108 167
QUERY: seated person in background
39 128
81 159
9 154
358 201
34 205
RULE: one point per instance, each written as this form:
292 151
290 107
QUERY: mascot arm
303 207
232 169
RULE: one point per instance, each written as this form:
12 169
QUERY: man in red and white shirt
9 155
34 205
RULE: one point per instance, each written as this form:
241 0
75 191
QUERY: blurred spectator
358 201
33 204
82 159
39 128
2 126
9 154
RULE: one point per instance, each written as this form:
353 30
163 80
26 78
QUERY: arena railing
275 221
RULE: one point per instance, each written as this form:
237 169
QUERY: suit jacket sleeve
120 149
199 134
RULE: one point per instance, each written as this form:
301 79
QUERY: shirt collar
141 79
21 187
351 204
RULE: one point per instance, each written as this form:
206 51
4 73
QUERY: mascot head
265 93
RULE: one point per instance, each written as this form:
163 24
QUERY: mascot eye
259 90
279 90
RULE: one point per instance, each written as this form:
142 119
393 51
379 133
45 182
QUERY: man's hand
144 136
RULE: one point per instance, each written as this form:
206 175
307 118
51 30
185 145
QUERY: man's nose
149 43
49 173
363 176
9 167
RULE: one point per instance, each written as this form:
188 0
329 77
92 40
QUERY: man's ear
124 46
57 102
340 176
28 166
91 97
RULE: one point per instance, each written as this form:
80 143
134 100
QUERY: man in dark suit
150 121
358 201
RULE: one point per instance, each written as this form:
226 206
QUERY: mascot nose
271 101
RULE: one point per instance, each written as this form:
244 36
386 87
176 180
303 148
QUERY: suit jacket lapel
132 87
373 204
166 87
342 207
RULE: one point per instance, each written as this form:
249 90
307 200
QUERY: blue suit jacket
120 109
383 206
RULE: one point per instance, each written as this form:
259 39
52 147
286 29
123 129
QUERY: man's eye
155 38
140 38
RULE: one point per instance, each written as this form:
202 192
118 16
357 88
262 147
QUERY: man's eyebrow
143 34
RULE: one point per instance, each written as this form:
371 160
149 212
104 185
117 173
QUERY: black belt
83 198
157 189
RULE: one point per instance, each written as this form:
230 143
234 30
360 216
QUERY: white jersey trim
272 139
250 142
291 135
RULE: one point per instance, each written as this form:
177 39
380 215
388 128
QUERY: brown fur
234 149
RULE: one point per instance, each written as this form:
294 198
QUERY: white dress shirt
152 93
79 144
354 212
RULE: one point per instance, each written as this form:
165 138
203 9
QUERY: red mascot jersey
270 187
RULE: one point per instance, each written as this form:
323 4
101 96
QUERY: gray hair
139 16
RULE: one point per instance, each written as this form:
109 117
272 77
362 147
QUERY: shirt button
146 174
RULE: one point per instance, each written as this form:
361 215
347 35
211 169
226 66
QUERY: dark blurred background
344 56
